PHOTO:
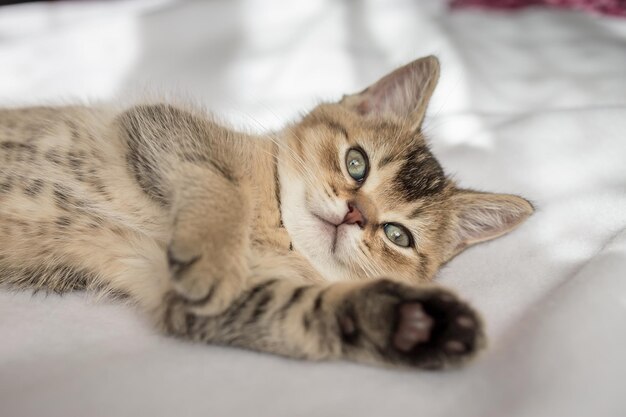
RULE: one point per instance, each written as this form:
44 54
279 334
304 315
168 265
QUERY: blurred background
271 56
532 101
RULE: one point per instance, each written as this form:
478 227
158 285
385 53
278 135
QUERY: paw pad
454 346
465 321
414 327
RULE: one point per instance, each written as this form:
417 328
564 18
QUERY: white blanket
532 103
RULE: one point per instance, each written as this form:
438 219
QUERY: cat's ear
484 216
403 94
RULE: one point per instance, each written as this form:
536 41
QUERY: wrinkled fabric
532 103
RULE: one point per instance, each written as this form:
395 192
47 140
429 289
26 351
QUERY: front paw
205 281
185 272
397 324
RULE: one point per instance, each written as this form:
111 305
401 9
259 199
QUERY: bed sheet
531 103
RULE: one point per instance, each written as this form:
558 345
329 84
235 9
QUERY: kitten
273 243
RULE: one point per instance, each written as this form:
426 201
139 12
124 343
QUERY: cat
317 242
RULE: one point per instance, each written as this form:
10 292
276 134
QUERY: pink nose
354 216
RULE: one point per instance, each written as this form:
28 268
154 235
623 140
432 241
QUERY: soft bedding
532 102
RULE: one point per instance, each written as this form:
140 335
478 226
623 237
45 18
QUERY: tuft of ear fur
485 216
403 94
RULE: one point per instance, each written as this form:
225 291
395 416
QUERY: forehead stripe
420 175
332 125
386 160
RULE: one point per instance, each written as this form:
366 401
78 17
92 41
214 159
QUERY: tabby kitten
276 243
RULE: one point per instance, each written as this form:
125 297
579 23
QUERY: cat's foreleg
379 322
206 195
208 250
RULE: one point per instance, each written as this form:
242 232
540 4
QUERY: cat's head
363 196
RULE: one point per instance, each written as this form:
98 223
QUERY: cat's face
362 195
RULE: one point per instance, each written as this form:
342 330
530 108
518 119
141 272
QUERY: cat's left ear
402 94
485 216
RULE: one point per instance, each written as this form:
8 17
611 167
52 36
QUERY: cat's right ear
403 94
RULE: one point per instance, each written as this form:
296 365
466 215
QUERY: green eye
357 164
398 234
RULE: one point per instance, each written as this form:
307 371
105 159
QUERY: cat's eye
398 235
357 164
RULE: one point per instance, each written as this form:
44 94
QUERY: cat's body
269 243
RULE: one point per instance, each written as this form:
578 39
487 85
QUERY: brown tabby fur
219 236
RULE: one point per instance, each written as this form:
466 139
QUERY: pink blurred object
606 7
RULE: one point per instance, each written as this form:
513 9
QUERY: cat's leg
184 167
207 253
378 322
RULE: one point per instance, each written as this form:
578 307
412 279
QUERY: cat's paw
203 281
402 325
